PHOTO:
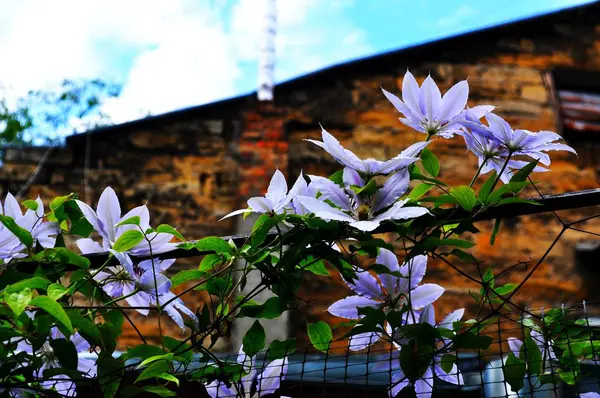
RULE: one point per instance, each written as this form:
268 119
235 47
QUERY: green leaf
56 291
505 289
271 309
254 339
128 240
315 267
37 282
133 220
320 335
214 244
430 162
514 372
448 362
167 229
66 353
82 228
433 243
186 276
209 262
522 174
30 204
87 328
488 278
161 357
154 370
473 341
18 301
486 188
182 351
513 200
366 190
533 356
59 201
262 226
419 191
110 371
169 377
22 234
54 309
465 196
511 187
337 177
161 391
281 349
495 231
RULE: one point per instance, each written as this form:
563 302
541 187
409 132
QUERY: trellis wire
345 373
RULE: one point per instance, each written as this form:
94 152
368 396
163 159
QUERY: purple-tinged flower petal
270 379
331 191
589 395
452 317
365 226
159 265
218 389
260 205
91 217
109 212
515 346
323 210
414 270
398 212
424 386
454 101
427 315
348 307
351 177
365 285
42 231
430 99
362 340
390 261
392 190
141 212
235 213
87 367
399 382
158 286
410 93
479 111
499 127
398 104
12 207
425 294
335 149
277 190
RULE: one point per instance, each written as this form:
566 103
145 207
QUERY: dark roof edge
243 98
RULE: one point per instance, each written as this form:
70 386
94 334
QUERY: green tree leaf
161 391
514 372
533 356
133 220
37 282
473 341
281 349
128 240
465 196
209 262
56 291
18 301
154 370
486 188
430 162
30 204
22 234
66 353
161 357
254 339
420 190
214 244
59 201
270 309
54 309
186 276
522 174
167 229
495 231
320 335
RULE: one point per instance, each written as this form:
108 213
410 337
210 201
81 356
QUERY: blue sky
178 53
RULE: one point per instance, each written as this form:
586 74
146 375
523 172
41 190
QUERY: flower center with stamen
363 212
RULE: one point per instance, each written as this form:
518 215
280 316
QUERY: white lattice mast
266 65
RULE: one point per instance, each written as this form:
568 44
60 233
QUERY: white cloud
180 52
457 17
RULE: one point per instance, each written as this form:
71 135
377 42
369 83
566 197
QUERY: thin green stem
504 166
478 172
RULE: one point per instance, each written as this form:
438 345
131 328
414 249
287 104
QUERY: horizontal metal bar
565 201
